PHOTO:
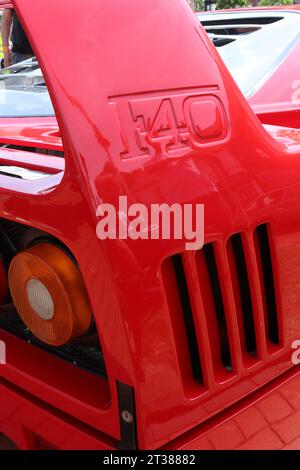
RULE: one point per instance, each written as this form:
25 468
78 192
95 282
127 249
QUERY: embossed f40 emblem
169 122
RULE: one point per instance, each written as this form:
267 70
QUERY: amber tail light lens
48 292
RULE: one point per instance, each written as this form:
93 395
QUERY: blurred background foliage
199 5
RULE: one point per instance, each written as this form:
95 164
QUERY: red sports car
123 343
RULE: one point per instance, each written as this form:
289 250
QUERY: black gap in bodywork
188 317
269 286
218 304
245 293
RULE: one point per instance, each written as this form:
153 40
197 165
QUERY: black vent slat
188 316
39 150
268 281
244 292
218 303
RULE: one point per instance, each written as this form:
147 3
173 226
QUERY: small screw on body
126 416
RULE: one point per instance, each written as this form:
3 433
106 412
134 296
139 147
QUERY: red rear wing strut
152 113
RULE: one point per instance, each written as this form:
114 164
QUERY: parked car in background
24 91
261 49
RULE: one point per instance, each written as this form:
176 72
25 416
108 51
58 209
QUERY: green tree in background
269 3
225 4
199 5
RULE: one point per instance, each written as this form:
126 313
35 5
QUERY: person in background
11 28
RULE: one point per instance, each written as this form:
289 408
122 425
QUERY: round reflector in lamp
48 292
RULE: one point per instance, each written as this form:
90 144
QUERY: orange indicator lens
48 292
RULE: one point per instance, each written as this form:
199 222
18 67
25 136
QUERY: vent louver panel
224 297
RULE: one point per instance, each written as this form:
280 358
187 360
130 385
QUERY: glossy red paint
115 142
42 133
269 419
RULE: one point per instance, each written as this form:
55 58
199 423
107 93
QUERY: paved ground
273 423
